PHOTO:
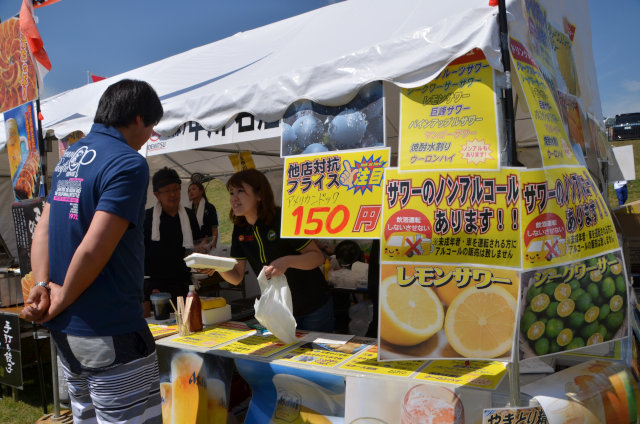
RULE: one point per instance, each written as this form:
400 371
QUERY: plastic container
216 315
161 305
195 313
199 260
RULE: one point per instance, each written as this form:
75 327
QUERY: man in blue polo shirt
88 257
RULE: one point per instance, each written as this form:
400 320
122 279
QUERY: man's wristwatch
44 284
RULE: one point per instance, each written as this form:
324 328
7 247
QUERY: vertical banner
554 143
26 216
334 195
292 395
10 359
450 123
309 127
18 84
23 149
452 217
194 387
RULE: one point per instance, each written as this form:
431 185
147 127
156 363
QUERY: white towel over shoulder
185 225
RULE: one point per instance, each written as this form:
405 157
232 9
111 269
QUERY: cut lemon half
408 315
480 322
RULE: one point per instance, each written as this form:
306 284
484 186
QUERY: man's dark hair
163 177
126 99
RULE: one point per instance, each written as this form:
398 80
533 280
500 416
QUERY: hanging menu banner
555 146
454 217
450 123
23 149
10 360
18 83
336 195
564 217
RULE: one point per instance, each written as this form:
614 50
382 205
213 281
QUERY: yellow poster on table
481 374
335 195
217 335
564 217
434 311
555 146
259 345
367 362
450 123
452 217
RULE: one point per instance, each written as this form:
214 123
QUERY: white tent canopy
325 55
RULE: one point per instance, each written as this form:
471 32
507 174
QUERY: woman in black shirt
256 239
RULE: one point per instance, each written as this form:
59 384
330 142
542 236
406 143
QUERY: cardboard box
627 221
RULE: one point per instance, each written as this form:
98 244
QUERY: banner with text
571 306
564 217
555 145
18 84
24 153
454 217
430 311
191 135
450 123
334 195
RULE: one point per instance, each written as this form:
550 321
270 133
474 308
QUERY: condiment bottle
326 267
195 313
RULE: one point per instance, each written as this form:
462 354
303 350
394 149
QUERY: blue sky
112 36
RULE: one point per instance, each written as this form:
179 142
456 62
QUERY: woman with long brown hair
256 239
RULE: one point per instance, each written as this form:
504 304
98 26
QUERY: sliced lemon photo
408 315
480 322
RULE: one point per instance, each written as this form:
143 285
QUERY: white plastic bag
274 309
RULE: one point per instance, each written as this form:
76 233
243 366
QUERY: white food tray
199 260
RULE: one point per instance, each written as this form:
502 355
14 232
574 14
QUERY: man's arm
88 261
38 301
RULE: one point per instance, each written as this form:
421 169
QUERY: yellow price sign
450 123
336 195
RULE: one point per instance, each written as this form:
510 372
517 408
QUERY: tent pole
512 160
507 92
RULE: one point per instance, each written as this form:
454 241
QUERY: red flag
43 3
30 30
95 78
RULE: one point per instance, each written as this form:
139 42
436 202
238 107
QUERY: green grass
632 186
27 407
219 197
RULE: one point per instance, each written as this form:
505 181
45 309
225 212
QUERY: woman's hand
277 267
208 271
